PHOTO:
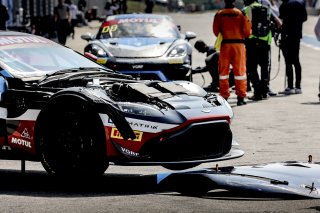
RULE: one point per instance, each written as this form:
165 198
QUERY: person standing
82 5
234 27
4 16
73 13
62 20
123 6
293 14
258 47
149 6
273 5
111 7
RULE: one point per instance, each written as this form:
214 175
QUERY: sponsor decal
25 134
129 152
109 28
139 125
139 20
20 40
102 60
175 61
142 125
137 66
116 134
21 142
6 148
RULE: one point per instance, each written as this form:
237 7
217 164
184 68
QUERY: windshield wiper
70 70
93 70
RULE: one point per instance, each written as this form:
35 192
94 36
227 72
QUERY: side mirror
87 37
190 35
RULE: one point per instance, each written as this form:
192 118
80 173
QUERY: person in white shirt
73 9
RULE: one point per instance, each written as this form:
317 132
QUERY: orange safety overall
234 27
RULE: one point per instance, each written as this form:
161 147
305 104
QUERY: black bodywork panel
288 179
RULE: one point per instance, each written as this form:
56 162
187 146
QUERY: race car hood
137 47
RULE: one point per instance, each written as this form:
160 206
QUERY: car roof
139 15
13 35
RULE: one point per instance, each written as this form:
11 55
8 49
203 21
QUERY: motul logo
21 142
25 134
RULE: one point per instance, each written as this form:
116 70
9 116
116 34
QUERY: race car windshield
41 60
135 27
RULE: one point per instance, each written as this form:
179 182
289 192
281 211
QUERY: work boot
255 97
271 93
240 101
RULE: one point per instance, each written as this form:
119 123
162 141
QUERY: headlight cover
227 106
178 51
98 51
140 109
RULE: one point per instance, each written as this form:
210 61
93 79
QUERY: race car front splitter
280 180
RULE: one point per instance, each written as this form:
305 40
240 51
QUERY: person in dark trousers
4 16
258 46
73 13
212 58
149 6
62 20
293 13
123 6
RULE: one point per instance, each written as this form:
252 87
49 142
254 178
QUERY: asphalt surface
281 128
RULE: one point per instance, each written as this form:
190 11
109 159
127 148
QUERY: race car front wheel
72 139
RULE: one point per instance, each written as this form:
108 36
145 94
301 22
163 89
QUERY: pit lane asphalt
282 128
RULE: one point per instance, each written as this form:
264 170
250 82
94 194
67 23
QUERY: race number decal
110 28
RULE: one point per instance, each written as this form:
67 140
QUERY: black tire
72 139
184 166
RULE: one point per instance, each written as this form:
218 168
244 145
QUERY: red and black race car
76 116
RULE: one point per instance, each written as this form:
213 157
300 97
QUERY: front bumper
154 71
235 152
196 143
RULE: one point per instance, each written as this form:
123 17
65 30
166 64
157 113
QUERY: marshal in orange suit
234 26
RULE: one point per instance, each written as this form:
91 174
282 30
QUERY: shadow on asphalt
311 103
41 184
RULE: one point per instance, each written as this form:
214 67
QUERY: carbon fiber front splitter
278 180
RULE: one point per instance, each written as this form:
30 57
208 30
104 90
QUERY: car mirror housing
87 36
190 35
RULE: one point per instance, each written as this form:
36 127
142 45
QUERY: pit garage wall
31 8
39 8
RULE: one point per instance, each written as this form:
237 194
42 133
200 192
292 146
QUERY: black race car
76 116
148 46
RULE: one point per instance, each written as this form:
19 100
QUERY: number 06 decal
109 28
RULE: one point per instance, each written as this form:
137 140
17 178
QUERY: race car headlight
140 109
178 51
227 106
98 51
